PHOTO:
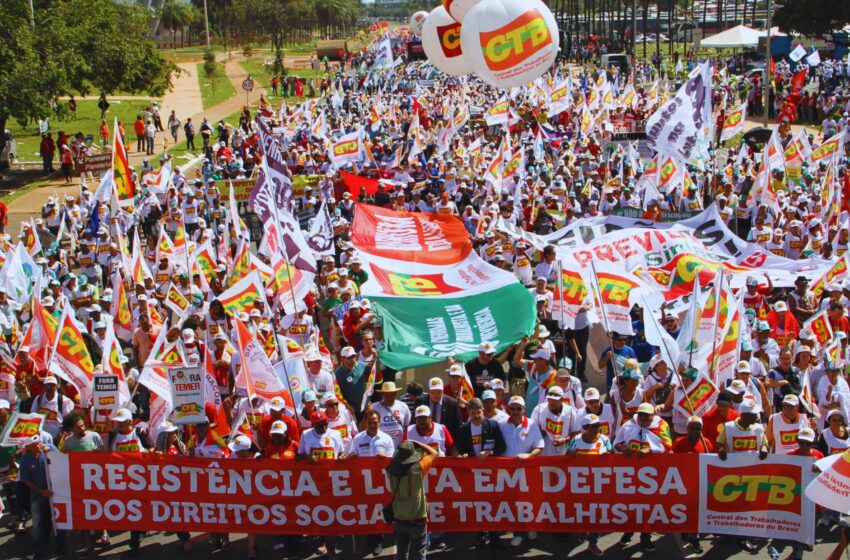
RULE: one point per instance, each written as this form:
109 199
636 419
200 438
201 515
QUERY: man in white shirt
556 421
426 431
522 440
394 415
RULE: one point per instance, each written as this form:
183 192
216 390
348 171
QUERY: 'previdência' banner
658 493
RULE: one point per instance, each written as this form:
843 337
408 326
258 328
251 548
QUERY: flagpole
675 370
598 296
719 289
561 291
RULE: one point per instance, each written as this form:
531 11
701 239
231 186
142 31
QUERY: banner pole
598 296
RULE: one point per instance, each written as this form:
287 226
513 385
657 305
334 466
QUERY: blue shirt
621 356
34 469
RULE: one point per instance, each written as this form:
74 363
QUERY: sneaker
697 547
379 548
772 552
436 545
750 546
532 535
481 542
595 550
322 549
625 539
647 546
516 541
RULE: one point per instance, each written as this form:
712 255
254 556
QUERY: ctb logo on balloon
450 39
515 42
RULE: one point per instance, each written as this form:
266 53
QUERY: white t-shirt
394 419
524 438
365 445
328 445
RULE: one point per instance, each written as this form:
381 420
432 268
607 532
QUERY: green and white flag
436 298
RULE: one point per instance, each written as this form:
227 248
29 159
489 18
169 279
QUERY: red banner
355 183
610 493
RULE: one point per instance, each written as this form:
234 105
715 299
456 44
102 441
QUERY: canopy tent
737 37
733 38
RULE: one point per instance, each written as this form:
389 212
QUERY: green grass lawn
87 122
262 77
215 90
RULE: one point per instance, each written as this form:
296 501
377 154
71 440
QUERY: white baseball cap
435 384
348 352
487 347
278 427
541 353
240 443
591 394
737 387
277 404
122 415
422 411
516 399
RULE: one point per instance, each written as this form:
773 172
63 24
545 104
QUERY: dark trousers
410 542
581 336
47 162
41 524
190 141
140 142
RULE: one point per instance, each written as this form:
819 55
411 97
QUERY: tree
812 17
74 45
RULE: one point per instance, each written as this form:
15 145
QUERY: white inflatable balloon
459 8
509 42
441 41
416 21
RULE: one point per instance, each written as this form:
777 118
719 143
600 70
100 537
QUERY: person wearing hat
591 442
626 395
744 372
523 440
557 422
782 426
802 302
394 414
53 405
205 442
835 438
339 418
480 437
492 410
320 379
604 411
569 384
277 413
538 370
784 327
351 376
280 445
445 410
319 443
613 358
766 348
680 418
126 438
410 463
744 435
32 474
485 367
643 434
426 430
832 390
783 379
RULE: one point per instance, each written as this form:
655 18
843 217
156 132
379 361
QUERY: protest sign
187 394
106 393
21 428
611 493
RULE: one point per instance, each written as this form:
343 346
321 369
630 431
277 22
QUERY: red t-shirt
712 421
291 427
702 445
281 451
815 453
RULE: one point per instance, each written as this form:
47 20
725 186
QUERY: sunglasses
644 414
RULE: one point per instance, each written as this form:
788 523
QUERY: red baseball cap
318 417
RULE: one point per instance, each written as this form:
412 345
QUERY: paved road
460 547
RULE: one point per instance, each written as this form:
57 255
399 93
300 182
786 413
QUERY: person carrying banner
523 440
693 442
642 434
590 442
33 475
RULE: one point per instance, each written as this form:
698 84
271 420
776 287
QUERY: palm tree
169 18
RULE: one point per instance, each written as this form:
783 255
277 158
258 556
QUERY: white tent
733 38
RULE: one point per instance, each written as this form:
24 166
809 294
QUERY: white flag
813 59
677 127
798 53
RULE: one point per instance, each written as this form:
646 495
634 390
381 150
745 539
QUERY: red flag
354 183
799 79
